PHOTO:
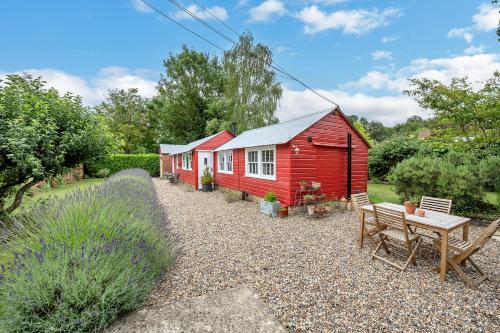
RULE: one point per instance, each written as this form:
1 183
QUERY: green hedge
118 162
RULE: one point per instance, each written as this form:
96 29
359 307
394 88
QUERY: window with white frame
187 161
261 162
225 162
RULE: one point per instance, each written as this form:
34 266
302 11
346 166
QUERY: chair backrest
436 204
385 217
481 240
359 200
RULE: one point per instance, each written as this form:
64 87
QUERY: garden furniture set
396 227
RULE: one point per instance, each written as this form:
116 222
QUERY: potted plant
308 198
310 210
315 185
328 206
207 180
320 210
320 197
270 204
411 202
283 212
304 185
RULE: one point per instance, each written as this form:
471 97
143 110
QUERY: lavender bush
75 264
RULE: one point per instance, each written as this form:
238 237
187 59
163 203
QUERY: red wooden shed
322 147
166 159
188 160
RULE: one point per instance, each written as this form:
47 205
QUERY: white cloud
205 14
479 67
267 11
381 54
461 33
487 18
471 50
329 2
140 6
389 39
357 21
95 90
387 109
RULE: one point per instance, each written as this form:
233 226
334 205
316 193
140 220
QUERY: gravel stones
311 273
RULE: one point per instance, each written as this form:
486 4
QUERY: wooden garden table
441 223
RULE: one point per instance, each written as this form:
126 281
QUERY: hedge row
117 162
78 262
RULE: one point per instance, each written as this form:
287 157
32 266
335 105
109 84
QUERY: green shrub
103 173
206 177
118 162
76 263
270 197
446 177
385 155
489 171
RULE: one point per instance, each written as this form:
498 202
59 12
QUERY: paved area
311 274
230 310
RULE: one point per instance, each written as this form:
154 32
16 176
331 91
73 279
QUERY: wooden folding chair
393 230
436 204
465 250
359 200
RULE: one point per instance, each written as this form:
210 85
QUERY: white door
205 158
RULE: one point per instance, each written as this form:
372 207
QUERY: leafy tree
361 129
193 82
251 92
375 129
129 120
468 118
41 135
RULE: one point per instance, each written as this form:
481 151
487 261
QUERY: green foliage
42 134
206 177
251 90
193 81
117 162
270 197
375 129
77 263
443 177
102 173
129 120
468 118
489 171
361 129
385 155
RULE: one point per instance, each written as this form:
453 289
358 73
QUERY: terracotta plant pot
283 212
310 210
421 213
410 207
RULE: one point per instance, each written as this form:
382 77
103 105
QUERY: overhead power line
276 67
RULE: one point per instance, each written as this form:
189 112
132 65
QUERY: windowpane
229 162
253 162
221 162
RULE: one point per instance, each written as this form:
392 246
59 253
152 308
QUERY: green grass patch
382 193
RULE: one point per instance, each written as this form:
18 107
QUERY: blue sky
358 53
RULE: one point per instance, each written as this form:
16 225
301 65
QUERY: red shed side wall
216 141
319 160
187 176
255 186
166 163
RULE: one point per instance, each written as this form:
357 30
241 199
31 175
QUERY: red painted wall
187 176
313 162
216 141
166 161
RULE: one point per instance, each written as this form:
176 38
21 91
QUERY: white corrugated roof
273 134
190 146
168 148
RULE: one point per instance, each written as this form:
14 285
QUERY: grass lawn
38 195
384 193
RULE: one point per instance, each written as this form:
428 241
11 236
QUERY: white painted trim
259 150
225 152
183 166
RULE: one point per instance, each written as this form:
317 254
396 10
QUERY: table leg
361 228
444 255
465 235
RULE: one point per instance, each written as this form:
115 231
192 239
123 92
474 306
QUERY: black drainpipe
349 162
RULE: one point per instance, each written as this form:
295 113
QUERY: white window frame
225 155
260 165
187 161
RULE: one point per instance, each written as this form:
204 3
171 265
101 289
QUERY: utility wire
218 19
278 68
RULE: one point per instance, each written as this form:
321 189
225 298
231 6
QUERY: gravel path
311 273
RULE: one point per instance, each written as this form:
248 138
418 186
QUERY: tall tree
41 135
128 118
193 81
251 92
469 118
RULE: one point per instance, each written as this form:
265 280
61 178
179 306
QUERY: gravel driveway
311 273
